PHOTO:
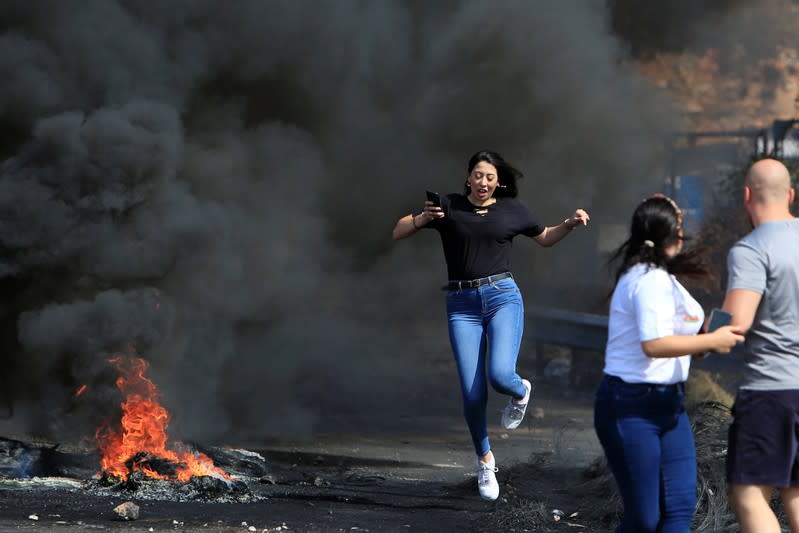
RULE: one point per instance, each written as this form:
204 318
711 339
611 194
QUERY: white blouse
649 303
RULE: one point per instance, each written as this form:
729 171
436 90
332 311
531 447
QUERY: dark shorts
763 439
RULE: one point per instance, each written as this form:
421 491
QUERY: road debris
127 511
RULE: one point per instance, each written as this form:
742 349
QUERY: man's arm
742 305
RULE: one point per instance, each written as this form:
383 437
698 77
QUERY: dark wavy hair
656 225
507 175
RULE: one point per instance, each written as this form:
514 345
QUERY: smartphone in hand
433 197
718 318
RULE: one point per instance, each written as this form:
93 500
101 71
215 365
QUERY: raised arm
553 234
410 224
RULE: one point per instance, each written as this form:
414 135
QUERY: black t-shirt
476 246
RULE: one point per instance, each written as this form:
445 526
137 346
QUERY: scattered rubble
127 511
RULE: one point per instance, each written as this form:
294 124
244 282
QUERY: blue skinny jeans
485 330
649 445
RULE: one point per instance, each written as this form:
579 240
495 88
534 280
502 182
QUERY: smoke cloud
213 187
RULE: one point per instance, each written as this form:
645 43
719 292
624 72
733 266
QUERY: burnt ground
422 481
407 470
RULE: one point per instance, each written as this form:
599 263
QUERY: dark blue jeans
649 445
485 329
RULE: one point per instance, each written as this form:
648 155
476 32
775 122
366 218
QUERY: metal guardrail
560 327
586 335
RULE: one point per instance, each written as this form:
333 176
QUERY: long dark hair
656 225
506 173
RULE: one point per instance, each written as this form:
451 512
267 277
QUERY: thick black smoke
214 185
740 30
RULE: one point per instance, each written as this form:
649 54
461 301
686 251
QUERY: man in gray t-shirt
763 297
766 263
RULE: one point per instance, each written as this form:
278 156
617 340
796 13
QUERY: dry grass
710 420
702 387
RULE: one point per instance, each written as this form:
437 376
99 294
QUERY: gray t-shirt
767 261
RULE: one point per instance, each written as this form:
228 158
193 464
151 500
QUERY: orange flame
81 390
143 431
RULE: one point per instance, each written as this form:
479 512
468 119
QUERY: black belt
616 379
474 283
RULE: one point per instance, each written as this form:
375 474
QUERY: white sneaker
513 414
487 480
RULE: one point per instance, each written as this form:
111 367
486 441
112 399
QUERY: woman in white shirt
639 414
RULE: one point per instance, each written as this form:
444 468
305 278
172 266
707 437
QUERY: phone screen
718 318
434 197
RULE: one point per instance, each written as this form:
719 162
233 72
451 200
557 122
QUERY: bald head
769 182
